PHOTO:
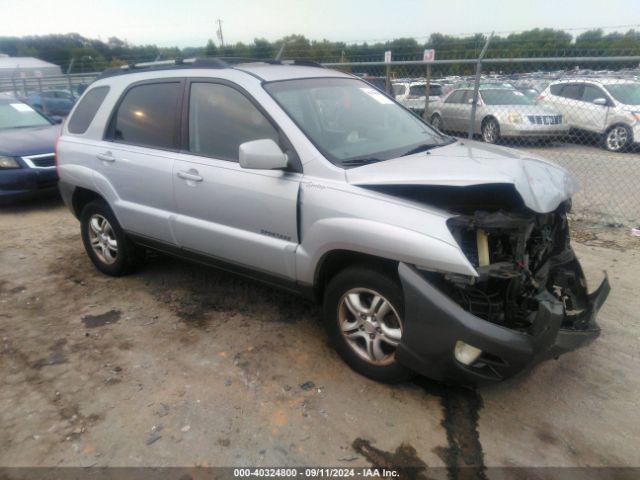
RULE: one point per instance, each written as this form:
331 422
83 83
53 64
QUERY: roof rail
202 62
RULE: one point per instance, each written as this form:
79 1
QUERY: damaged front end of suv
528 302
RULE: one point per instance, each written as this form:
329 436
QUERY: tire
436 121
490 131
105 242
617 139
366 344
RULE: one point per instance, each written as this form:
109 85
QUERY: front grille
545 119
46 160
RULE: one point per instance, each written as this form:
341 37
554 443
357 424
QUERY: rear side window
87 109
555 89
221 118
148 116
456 97
572 91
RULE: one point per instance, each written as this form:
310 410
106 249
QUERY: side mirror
262 154
600 101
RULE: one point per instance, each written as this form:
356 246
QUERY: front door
247 218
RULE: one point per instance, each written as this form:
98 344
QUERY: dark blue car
27 143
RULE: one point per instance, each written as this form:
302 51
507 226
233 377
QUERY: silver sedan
501 112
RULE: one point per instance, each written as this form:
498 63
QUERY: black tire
490 131
617 145
378 280
127 256
436 121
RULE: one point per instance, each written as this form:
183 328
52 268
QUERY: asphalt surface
181 365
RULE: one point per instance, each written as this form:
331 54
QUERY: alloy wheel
490 132
370 324
102 238
617 138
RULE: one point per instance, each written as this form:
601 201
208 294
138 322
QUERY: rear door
137 154
450 110
247 218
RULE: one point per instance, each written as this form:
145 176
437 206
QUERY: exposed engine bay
517 256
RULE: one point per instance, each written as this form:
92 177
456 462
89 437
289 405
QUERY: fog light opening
465 353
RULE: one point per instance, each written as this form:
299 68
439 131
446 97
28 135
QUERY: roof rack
204 62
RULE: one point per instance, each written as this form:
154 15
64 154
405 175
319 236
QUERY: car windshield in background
349 121
627 93
505 97
20 115
419 90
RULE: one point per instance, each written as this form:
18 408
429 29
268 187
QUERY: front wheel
490 131
363 314
617 138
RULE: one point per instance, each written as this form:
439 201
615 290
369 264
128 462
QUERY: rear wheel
105 242
490 131
617 138
436 121
363 314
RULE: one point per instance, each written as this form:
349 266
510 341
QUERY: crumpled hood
19 142
542 185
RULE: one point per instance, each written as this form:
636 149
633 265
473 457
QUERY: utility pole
219 33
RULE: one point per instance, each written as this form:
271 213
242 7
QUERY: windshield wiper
427 146
355 162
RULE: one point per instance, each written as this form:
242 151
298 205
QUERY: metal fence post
70 84
476 87
387 80
427 92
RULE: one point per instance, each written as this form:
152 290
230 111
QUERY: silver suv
429 255
607 107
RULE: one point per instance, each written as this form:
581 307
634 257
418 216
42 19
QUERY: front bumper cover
433 323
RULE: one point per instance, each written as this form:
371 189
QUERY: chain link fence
580 112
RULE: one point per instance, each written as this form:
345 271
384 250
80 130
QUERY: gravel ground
181 365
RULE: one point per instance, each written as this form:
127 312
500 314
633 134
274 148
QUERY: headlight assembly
514 118
8 162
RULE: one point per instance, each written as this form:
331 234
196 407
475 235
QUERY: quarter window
87 109
221 119
148 116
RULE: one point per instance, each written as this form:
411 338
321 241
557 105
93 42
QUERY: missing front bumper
433 323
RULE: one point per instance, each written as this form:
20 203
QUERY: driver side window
221 119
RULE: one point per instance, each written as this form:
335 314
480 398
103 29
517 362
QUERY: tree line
76 53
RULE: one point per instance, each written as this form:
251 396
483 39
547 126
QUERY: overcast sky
191 22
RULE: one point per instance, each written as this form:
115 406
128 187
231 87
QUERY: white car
607 107
412 94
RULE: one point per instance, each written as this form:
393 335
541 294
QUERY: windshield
348 120
505 97
627 93
20 115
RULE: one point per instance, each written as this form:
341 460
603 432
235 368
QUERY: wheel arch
337 260
81 197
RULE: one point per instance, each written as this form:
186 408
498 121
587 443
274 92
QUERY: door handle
106 157
190 175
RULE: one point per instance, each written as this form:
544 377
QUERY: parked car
412 94
609 108
450 259
500 113
56 103
27 140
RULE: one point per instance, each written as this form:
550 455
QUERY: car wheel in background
436 121
490 131
617 138
363 312
105 242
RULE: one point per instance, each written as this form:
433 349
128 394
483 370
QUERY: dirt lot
182 365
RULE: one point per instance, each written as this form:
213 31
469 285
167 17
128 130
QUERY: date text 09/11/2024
315 472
